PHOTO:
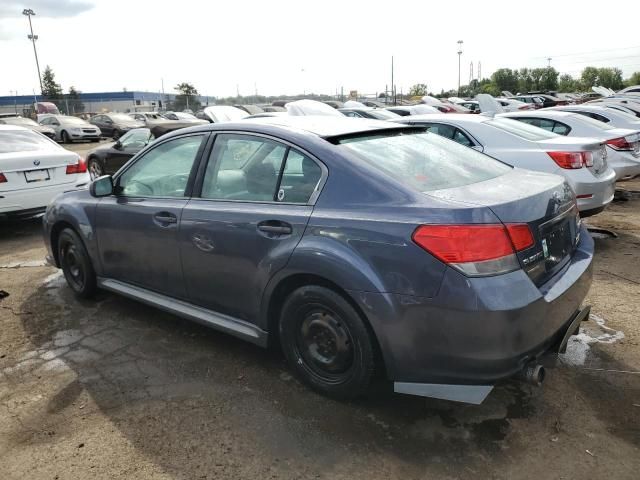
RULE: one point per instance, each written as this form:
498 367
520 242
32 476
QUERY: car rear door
137 227
256 195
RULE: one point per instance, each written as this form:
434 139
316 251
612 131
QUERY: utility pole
28 12
549 62
392 95
460 42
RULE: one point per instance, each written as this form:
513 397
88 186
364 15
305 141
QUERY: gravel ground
114 389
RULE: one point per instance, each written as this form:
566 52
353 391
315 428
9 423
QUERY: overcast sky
287 47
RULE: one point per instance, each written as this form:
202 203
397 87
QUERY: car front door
137 227
246 217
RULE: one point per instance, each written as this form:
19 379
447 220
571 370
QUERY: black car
115 125
374 113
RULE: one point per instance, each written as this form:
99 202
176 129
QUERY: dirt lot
113 389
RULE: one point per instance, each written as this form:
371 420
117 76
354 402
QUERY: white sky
108 45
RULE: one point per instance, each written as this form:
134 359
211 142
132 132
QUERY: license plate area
41 175
559 238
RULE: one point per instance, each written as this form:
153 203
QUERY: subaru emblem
36 162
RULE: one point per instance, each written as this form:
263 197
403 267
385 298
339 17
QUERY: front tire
116 135
65 137
76 264
95 168
326 342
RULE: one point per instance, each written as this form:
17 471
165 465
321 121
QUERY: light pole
28 12
459 57
549 62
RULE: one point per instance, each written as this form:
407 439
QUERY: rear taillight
3 179
475 250
80 167
572 160
620 144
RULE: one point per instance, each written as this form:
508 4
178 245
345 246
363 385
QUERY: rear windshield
520 129
381 114
424 161
592 122
23 141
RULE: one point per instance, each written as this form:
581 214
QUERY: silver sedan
70 129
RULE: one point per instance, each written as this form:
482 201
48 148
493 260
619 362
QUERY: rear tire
76 264
326 342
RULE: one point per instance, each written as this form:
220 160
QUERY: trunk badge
36 162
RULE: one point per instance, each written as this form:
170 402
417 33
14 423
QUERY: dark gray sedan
356 246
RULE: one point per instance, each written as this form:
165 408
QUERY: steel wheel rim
74 268
95 170
325 345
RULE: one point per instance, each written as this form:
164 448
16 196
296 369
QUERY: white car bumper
36 199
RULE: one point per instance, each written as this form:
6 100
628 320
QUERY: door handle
276 228
165 217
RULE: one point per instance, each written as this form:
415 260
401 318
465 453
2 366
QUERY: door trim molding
219 321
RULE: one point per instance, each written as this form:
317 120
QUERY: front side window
424 161
163 171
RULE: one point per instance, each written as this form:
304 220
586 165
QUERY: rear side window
424 161
23 141
520 129
257 169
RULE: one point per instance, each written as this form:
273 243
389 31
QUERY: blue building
99 102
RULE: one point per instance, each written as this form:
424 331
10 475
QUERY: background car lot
115 388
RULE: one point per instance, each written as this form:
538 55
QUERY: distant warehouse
97 102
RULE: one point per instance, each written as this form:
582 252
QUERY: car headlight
75 130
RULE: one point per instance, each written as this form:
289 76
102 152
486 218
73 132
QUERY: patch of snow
28 263
579 345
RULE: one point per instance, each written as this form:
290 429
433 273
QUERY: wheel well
55 234
289 284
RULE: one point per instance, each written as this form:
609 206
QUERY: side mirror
101 186
117 145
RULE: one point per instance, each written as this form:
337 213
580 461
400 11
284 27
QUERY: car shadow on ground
167 384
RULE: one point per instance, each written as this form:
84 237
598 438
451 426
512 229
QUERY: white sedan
623 145
33 170
582 161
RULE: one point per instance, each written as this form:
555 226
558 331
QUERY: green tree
589 77
548 79
418 90
525 81
568 84
634 79
186 98
74 102
610 78
51 90
505 79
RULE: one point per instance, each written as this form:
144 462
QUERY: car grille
89 130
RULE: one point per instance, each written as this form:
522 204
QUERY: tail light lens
3 179
572 160
475 250
80 167
620 144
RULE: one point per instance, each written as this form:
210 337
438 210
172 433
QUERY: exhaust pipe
533 374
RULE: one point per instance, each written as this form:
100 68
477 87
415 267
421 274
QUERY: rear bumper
477 331
600 191
36 199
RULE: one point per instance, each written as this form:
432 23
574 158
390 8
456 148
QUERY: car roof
450 117
319 126
324 125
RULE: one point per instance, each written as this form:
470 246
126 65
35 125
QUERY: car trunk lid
544 202
36 169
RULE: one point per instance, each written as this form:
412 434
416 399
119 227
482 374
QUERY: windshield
383 114
121 117
23 141
424 161
73 120
520 129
